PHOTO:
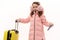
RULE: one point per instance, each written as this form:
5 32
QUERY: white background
14 9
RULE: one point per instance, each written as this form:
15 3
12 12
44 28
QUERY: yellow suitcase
11 34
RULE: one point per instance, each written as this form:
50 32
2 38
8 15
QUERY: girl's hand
17 20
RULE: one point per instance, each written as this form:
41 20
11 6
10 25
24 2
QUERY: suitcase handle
16 25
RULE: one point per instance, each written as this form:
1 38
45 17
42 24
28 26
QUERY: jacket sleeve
44 21
23 20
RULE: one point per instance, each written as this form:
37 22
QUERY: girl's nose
35 9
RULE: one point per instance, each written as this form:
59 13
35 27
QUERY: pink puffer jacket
36 28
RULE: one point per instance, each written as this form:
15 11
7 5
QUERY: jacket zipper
34 25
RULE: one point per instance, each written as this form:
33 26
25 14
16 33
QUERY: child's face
35 6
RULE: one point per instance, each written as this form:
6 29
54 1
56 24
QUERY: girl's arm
22 20
45 22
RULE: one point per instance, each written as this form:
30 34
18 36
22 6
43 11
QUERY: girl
37 20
